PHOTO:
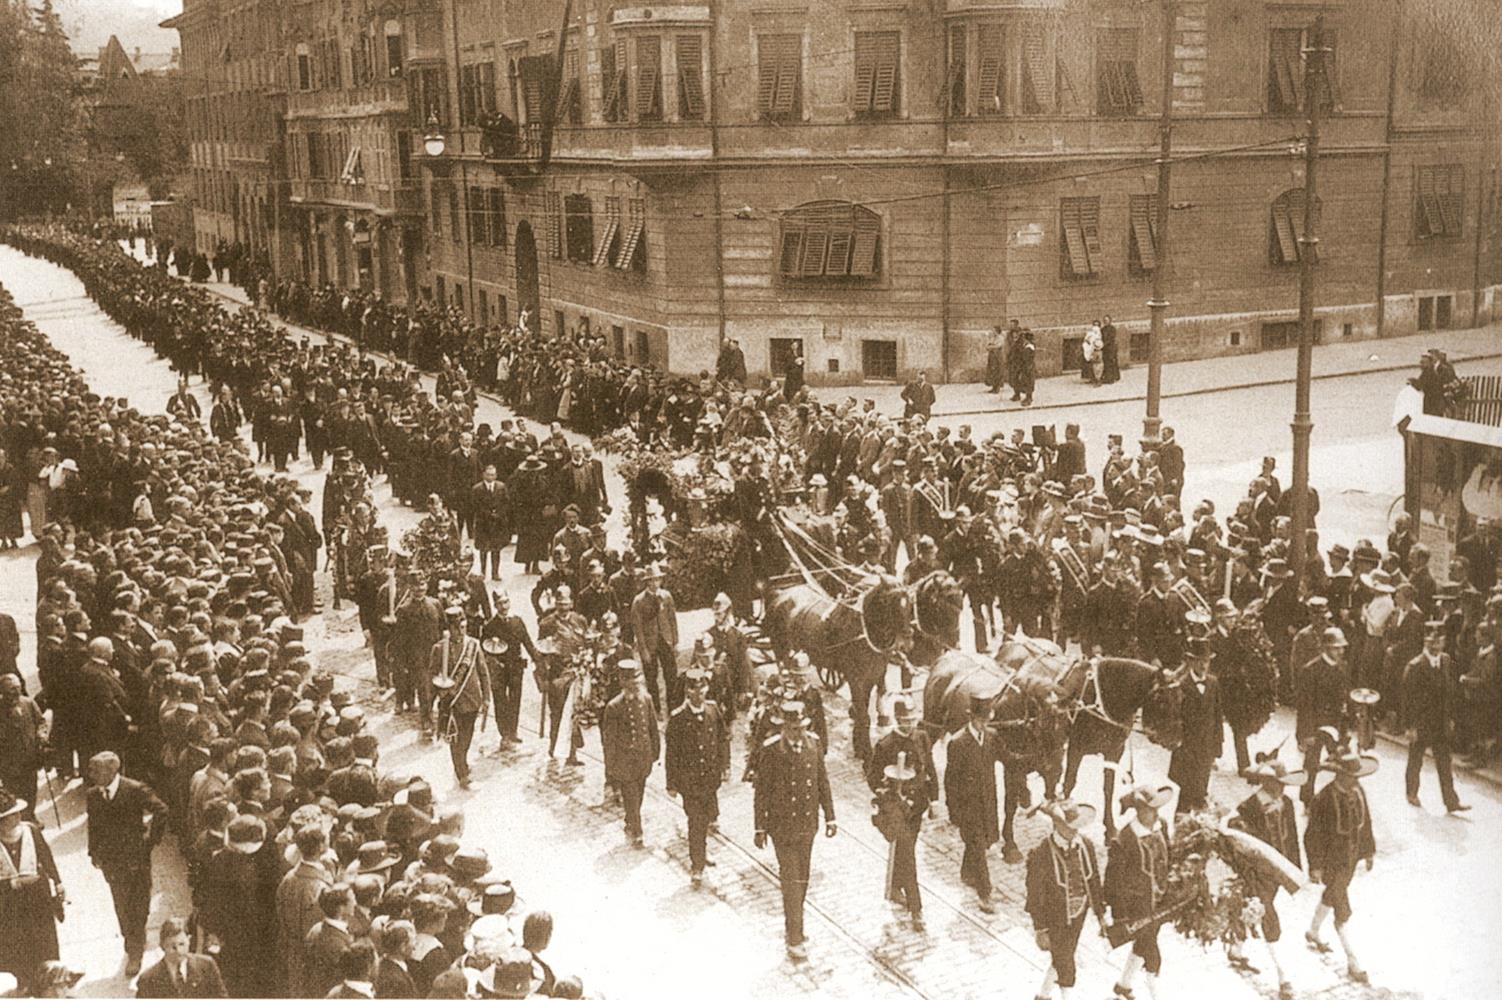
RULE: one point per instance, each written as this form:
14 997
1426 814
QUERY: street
628 921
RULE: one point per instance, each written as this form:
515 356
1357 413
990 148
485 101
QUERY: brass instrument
1366 725
1070 562
1197 609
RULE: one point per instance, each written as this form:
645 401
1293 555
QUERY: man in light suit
654 623
180 973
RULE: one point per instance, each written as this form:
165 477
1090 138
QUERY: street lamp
433 143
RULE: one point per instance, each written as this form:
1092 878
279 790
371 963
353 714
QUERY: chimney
136 58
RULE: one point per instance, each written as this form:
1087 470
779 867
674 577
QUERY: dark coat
123 830
630 738
1280 830
203 980
970 788
920 757
391 980
1047 901
1204 724
1429 697
791 789
1136 873
1339 830
697 750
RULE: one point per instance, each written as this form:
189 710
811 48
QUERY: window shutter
622 108
955 92
478 230
1288 226
1090 223
838 263
990 90
648 78
766 80
1037 75
865 72
607 238
789 75
555 225
790 257
1143 212
888 60
1078 220
1332 77
626 258
690 56
864 262
1450 200
497 217
1286 69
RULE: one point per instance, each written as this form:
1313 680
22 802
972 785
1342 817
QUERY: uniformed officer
697 761
791 789
898 811
463 684
632 743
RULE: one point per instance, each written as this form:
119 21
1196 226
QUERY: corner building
879 186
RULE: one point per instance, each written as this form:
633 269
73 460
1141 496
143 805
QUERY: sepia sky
90 23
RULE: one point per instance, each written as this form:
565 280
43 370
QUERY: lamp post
1152 423
433 143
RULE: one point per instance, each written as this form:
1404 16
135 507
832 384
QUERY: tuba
1073 566
1366 726
1196 608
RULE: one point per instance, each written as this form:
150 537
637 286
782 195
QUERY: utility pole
1303 426
1152 423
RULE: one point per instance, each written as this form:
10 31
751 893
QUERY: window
1426 312
605 251
479 228
1079 228
688 52
435 206
878 55
393 48
1437 204
990 81
779 88
955 74
536 74
1117 90
1286 242
830 239
1139 348
1037 71
618 338
1442 75
579 227
428 95
497 217
1435 311
879 359
648 78
404 155
304 67
643 347
1142 239
1285 71
484 307
613 82
459 294
454 228
1276 336
555 224
440 292
632 255
330 64
315 156
781 352
476 92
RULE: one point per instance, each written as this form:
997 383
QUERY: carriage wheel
829 678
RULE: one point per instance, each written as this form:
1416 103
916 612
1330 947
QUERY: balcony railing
401 199
388 94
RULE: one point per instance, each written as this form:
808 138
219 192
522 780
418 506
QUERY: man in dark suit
326 941
1063 883
792 788
1137 877
1203 728
126 820
970 794
102 701
1160 622
631 743
918 397
180 973
356 971
462 471
1430 701
1069 461
697 759
392 978
583 481
491 506
906 739
1171 463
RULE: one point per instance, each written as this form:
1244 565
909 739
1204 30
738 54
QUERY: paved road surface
1427 919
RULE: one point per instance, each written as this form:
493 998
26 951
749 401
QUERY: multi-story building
233 69
879 186
355 218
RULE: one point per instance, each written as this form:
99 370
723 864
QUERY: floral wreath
1208 890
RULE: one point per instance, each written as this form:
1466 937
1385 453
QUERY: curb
1490 775
1257 384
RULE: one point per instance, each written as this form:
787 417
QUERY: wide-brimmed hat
653 571
375 856
1277 568
498 898
900 771
470 864
1379 580
418 794
510 977
10 805
1348 760
1147 794
1270 769
532 464
1075 815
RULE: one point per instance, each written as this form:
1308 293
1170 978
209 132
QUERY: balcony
380 199
377 97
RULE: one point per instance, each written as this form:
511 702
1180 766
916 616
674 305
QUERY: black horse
1040 698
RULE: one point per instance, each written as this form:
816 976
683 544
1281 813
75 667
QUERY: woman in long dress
31 896
12 491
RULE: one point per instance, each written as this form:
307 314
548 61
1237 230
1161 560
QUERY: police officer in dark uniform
792 788
697 760
503 639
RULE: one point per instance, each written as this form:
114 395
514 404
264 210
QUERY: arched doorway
526 275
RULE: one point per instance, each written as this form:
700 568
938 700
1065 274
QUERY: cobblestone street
630 923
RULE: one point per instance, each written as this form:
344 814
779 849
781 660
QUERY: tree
39 119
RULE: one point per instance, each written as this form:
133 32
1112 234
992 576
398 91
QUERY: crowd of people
175 680
198 605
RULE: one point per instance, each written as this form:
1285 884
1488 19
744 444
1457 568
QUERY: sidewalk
1190 378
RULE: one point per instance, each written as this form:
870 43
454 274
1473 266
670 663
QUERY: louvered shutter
1077 257
1143 210
636 229
1090 224
789 75
888 60
815 242
1287 69
555 224
1037 74
990 89
865 72
957 72
790 255
497 217
1285 230
1450 200
607 238
766 81
689 52
479 231
648 78
864 262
